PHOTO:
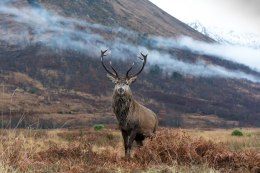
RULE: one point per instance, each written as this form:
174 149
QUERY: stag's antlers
144 62
115 74
103 53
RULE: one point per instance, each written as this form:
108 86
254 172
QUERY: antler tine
102 61
144 56
127 73
113 69
103 52
144 62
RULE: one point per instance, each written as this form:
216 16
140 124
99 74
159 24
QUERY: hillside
49 53
142 16
228 36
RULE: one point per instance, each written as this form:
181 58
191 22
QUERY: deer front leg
130 142
125 137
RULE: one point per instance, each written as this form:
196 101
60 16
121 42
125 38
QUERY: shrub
98 127
169 147
236 132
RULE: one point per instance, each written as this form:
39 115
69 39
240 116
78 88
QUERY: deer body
136 122
131 114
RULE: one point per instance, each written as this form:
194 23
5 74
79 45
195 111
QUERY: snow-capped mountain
228 36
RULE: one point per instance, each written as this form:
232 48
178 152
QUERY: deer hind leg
139 139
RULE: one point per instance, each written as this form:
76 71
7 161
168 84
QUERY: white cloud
58 32
242 55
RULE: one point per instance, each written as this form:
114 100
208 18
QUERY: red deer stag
135 121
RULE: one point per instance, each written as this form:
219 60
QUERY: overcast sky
238 15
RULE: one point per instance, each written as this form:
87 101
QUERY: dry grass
198 120
86 150
170 147
250 140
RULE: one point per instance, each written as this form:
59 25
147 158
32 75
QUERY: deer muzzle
120 90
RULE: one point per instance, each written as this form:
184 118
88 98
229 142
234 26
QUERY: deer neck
122 105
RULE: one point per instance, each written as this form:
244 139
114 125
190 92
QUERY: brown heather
171 147
85 150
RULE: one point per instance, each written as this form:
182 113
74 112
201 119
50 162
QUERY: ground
77 150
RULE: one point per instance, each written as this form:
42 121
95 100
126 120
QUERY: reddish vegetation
170 147
166 147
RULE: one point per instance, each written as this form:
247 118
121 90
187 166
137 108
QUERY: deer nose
120 90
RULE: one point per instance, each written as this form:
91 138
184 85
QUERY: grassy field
79 150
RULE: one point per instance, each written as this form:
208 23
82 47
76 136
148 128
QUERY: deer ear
112 78
132 79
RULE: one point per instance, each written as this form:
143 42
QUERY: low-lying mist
29 25
243 55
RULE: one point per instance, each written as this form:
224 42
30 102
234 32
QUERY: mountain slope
142 16
59 47
228 36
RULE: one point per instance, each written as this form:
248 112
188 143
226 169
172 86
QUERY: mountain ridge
228 36
74 82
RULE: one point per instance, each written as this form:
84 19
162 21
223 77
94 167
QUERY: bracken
171 147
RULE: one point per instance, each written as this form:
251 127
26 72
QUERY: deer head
122 83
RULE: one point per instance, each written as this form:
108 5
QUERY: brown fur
135 121
131 113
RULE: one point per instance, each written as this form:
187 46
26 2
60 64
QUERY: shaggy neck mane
121 106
